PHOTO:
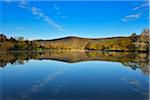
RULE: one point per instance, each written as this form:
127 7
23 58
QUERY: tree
12 40
3 37
20 38
133 37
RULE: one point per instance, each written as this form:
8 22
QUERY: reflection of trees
131 59
15 57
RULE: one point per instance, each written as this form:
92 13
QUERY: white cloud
56 7
21 28
8 1
23 3
58 11
139 11
131 17
41 15
37 12
143 5
64 17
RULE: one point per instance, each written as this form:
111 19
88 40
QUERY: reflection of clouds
39 86
130 81
137 85
136 90
57 89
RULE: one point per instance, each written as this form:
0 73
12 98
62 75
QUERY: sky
49 19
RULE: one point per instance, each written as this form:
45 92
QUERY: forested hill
130 43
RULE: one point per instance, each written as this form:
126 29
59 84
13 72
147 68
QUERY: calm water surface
74 76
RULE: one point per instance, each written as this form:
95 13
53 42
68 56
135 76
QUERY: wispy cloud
37 12
21 28
58 11
143 5
139 11
8 1
131 17
23 3
56 7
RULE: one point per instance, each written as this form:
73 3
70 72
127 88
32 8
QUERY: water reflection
57 75
130 59
40 85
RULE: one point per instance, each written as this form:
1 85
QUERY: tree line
16 43
130 43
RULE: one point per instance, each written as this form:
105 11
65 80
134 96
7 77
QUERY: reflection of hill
131 59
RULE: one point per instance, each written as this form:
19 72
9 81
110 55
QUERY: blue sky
54 19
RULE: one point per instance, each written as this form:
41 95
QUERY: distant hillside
130 43
77 43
